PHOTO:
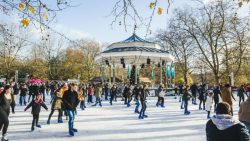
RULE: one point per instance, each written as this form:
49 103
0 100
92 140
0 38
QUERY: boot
60 121
71 132
48 122
128 105
38 126
5 137
32 128
74 130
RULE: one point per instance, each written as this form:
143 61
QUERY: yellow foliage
25 22
151 5
31 9
159 11
45 16
21 7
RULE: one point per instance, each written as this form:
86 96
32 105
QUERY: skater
42 90
23 93
106 91
129 95
5 102
90 94
125 95
14 91
194 90
143 92
227 96
36 108
241 93
113 93
70 101
136 92
244 113
57 105
82 95
98 95
209 103
223 127
202 93
180 96
161 94
217 93
186 96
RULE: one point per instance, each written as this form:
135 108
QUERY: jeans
247 124
111 99
143 109
106 93
98 100
137 103
22 100
186 106
82 104
71 114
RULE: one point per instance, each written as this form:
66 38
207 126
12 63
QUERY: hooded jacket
225 128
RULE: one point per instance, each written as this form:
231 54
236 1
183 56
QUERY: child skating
36 108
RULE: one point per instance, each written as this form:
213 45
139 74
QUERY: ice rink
116 123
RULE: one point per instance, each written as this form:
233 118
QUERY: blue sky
91 18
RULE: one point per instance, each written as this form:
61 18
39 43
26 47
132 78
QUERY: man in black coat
70 101
194 89
222 126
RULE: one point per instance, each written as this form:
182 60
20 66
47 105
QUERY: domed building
133 54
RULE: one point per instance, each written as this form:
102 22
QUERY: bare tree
10 47
182 46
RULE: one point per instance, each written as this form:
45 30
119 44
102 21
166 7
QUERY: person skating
90 94
209 103
194 90
186 96
217 93
57 105
136 92
5 102
106 91
81 95
227 96
244 113
143 92
113 93
129 95
161 94
98 95
36 109
70 101
23 93
202 95
223 127
241 93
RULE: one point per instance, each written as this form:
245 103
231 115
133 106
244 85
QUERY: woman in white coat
209 103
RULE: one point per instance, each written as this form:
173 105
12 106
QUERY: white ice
116 123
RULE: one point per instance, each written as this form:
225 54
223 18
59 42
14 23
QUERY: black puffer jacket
224 128
70 100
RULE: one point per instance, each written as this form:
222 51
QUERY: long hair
5 88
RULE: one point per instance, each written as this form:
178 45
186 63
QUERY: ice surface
116 123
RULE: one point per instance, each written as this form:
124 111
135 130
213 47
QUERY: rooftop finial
135 28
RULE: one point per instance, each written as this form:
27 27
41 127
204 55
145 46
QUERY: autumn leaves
31 10
153 5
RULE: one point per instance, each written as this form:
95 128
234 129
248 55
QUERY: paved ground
116 123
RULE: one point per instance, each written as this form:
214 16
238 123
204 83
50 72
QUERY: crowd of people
65 99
